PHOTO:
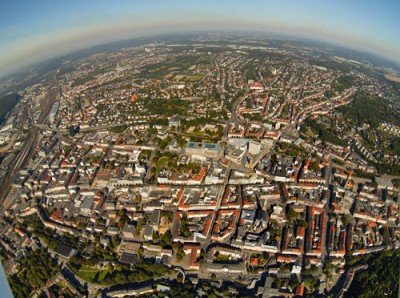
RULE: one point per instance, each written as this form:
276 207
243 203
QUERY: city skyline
44 30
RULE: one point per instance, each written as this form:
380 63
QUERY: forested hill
381 279
7 103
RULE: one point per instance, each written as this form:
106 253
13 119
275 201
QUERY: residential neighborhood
232 164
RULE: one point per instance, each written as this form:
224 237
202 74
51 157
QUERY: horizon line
284 35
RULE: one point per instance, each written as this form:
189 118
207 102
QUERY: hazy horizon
47 30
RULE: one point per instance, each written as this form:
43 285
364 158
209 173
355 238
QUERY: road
327 210
232 119
115 291
150 163
345 281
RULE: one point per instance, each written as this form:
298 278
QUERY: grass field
161 163
195 78
94 275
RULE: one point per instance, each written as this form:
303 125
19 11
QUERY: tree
381 277
315 166
304 224
202 256
396 183
156 235
184 229
166 238
181 141
291 214
283 146
138 198
277 283
36 268
346 219
180 253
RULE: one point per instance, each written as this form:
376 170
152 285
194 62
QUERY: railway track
29 146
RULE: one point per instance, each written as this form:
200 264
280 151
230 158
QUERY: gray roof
87 203
128 258
382 182
155 217
129 228
64 250
148 231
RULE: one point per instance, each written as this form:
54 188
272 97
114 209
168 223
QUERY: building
239 268
193 250
53 112
129 231
174 122
254 148
87 204
203 149
65 251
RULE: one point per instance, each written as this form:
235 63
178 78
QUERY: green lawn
161 163
94 275
222 258
195 78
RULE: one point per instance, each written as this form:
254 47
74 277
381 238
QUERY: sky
33 31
